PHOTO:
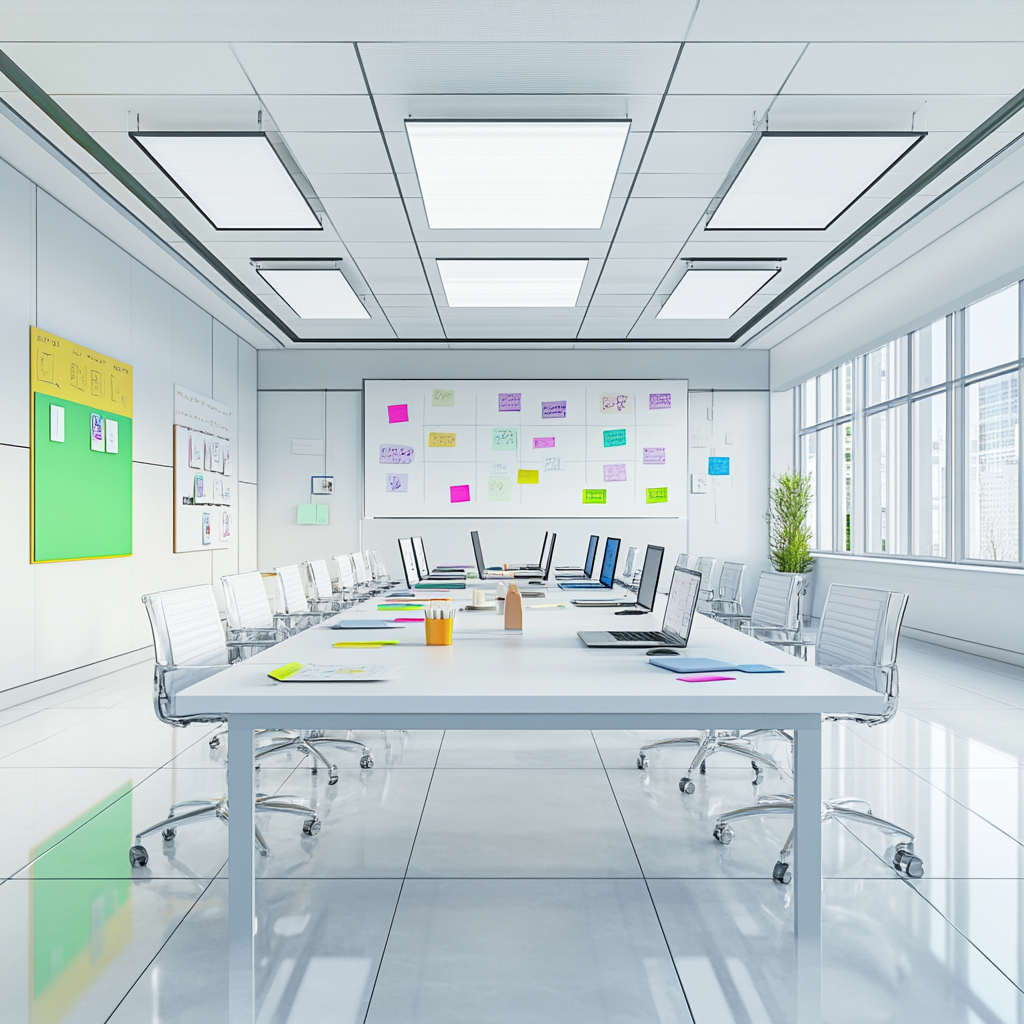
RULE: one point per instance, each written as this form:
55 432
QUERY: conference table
543 678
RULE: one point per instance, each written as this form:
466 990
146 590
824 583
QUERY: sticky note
459 492
398 414
543 442
718 466
553 465
364 643
504 439
396 454
442 396
499 488
614 438
499 469
57 423
615 473
616 403
659 400
96 432
528 476
322 514
110 429
654 456
439 440
552 410
397 483
510 402
656 495
306 515
593 497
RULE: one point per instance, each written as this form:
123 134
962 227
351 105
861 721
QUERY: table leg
241 870
807 873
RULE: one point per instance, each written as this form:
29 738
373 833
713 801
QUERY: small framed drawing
321 485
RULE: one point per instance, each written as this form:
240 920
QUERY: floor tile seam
960 686
45 739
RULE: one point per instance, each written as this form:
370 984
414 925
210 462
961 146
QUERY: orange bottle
514 609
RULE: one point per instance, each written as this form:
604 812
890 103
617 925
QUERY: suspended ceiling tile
735 67
302 68
800 113
354 186
693 152
660 219
403 277
415 329
553 331
623 277
120 114
321 113
369 220
339 152
411 305
384 250
713 113
509 315
505 250
266 245
644 250
676 186
610 327
618 305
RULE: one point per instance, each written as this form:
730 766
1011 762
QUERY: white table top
546 670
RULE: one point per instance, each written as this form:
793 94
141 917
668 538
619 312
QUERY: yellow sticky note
656 494
363 643
441 441
528 476
285 670
595 497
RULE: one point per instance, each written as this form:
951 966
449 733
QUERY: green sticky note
322 514
656 495
499 488
503 439
442 396
614 438
307 515
595 497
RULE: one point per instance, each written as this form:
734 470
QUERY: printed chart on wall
204 480
81 433
496 449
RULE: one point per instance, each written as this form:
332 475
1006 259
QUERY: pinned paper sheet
398 414
656 495
440 440
110 427
615 473
718 466
459 492
654 456
595 497
313 515
396 454
552 410
397 483
528 476
504 439
659 400
442 397
543 442
553 465
510 402
57 423
96 432
499 488
614 438
617 403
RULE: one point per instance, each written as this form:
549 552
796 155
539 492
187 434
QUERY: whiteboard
527 448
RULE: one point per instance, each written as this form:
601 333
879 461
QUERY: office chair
857 639
775 614
320 586
706 568
189 643
730 591
251 622
292 600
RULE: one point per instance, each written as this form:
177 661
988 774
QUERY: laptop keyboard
646 636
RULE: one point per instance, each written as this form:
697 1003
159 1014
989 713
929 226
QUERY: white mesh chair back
346 576
775 600
380 570
291 597
359 568
368 566
706 568
859 627
686 562
246 601
319 579
730 583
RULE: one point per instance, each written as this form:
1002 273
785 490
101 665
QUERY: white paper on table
111 432
342 674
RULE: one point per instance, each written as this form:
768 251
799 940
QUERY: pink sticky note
460 492
706 679
406 620
543 442
398 414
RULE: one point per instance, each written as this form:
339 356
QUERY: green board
82 498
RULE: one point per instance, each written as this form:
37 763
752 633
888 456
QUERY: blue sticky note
718 466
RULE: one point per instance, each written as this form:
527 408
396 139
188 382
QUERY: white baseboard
62 680
955 643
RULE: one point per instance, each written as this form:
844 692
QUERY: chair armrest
257 635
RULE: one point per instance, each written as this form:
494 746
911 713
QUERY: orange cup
439 631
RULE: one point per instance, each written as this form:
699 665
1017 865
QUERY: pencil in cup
439 620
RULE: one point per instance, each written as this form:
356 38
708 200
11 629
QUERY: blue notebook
366 624
707 665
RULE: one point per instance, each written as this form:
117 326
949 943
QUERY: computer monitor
588 565
478 554
405 549
611 557
649 577
421 558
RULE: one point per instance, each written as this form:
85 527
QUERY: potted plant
789 533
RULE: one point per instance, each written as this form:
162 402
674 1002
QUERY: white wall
62 275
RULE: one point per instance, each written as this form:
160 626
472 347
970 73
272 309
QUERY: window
992 331
928 476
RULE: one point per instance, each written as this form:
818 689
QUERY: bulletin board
81 459
204 474
527 448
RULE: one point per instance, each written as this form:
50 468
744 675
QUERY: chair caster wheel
781 873
724 834
642 762
366 761
138 857
311 826
333 780
686 786
169 834
214 742
907 863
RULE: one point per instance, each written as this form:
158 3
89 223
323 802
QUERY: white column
807 872
241 870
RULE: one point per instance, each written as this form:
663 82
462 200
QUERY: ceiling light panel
516 174
512 283
235 179
316 294
803 181
714 294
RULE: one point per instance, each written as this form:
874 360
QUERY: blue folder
681 664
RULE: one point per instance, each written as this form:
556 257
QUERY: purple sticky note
543 442
614 473
398 414
660 401
460 492
654 456
396 455
398 483
552 410
510 402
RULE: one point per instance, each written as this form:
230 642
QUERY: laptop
423 568
607 578
405 549
574 572
644 600
675 627
498 574
539 564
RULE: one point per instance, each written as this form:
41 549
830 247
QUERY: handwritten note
553 465
661 400
718 466
440 440
503 439
459 492
594 497
499 469
656 495
528 476
398 414
614 438
396 454
543 442
510 402
615 473
615 403
499 488
397 483
654 456
442 396
552 410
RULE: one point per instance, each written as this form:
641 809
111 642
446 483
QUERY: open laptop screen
551 554
588 565
421 557
543 550
611 557
408 561
477 553
649 577
682 600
